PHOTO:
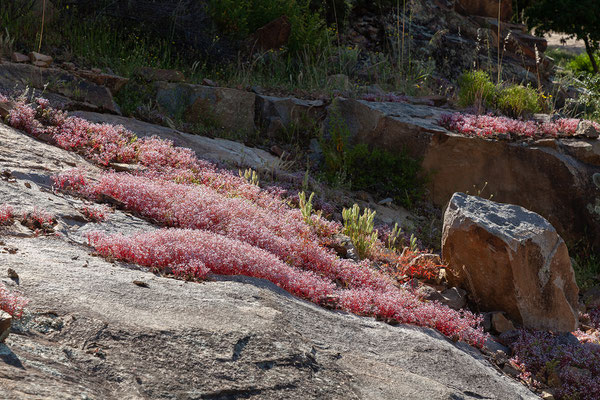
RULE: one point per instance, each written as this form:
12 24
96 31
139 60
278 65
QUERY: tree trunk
590 53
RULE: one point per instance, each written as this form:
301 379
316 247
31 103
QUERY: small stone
387 200
501 324
19 57
96 70
141 283
209 82
454 298
12 274
5 323
40 60
547 395
509 369
587 129
27 185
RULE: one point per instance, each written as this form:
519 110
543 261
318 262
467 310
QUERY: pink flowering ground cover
11 302
219 223
490 126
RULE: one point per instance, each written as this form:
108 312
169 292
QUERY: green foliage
306 207
587 270
582 63
376 170
393 237
518 100
250 176
476 89
242 17
390 174
590 97
360 229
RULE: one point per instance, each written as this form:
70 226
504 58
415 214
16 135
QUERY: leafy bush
242 17
591 95
361 168
582 63
476 89
360 229
518 100
390 174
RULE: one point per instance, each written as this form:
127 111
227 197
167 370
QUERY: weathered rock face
227 108
486 8
62 88
274 113
92 332
510 259
552 177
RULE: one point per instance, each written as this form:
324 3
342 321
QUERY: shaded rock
591 298
62 88
485 8
218 107
587 151
510 259
114 83
5 324
40 60
19 57
276 113
155 74
273 35
587 129
501 324
454 298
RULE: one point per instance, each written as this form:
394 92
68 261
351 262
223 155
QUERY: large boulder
217 107
510 259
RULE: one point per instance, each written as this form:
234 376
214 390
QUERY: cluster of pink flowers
11 302
6 214
491 126
225 225
97 213
41 217
577 365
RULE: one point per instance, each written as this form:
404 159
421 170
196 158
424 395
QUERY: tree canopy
576 18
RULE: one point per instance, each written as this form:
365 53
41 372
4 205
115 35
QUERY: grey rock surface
91 333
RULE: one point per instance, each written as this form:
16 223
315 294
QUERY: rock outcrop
92 332
510 259
217 107
552 177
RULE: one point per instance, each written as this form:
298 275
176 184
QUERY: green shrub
388 174
518 100
360 229
240 18
582 63
476 89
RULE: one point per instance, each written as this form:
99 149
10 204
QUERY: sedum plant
360 229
